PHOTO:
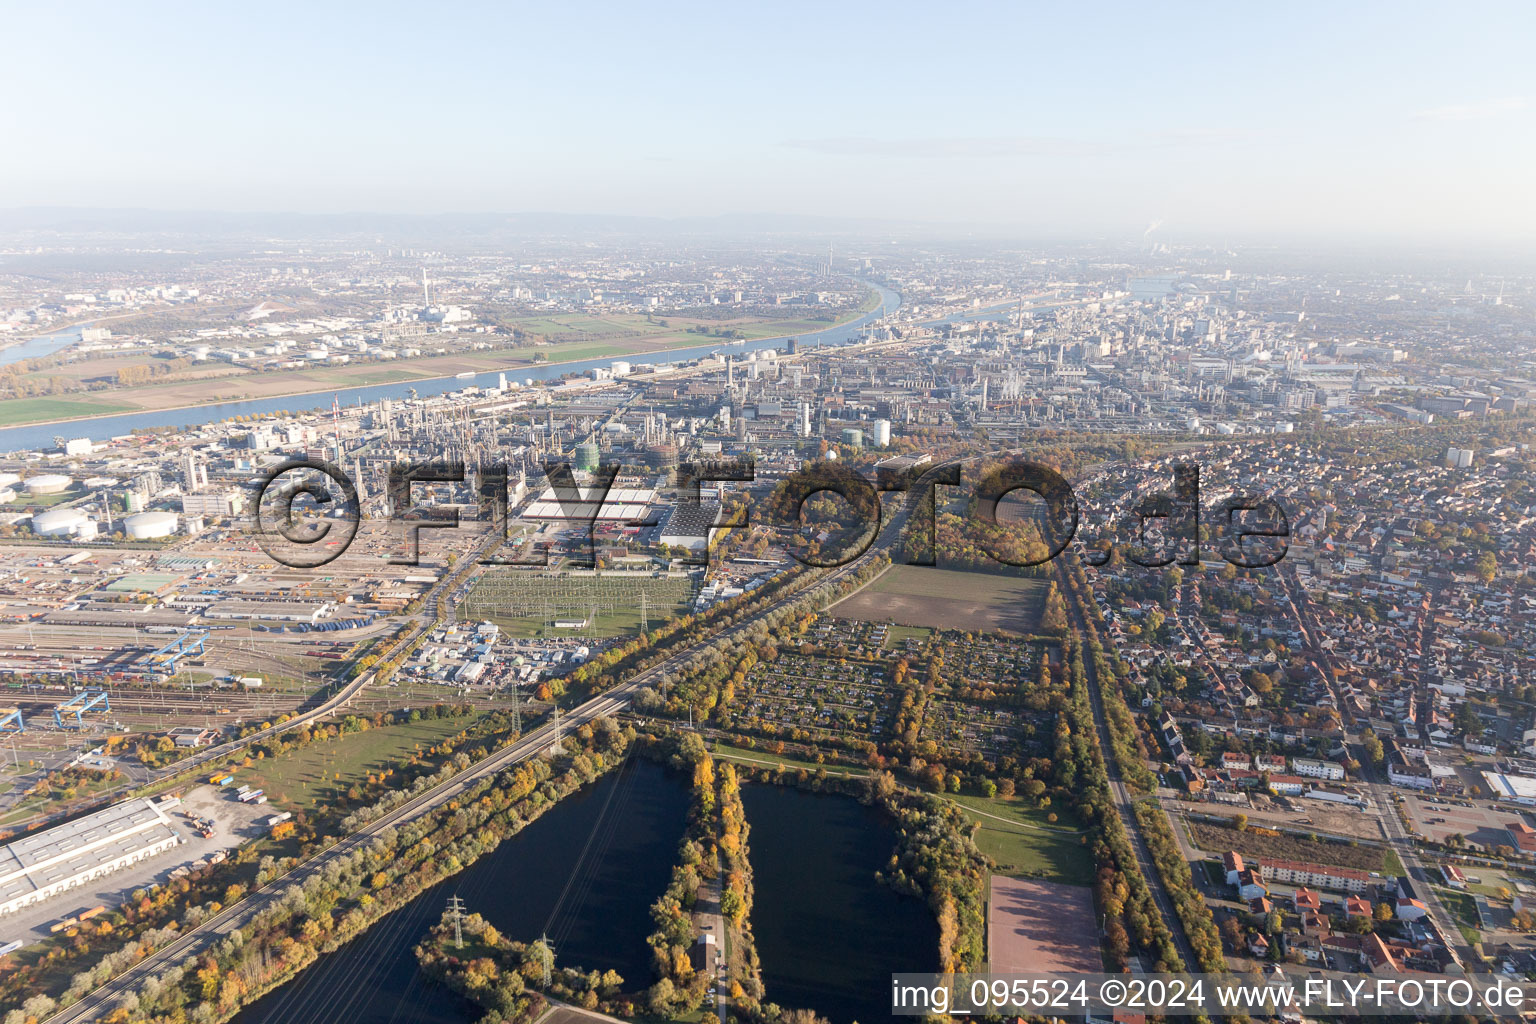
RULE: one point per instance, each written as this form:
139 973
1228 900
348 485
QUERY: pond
586 873
828 934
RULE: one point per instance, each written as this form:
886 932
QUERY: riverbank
297 384
39 434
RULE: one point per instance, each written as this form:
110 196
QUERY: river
101 428
42 345
621 834
828 934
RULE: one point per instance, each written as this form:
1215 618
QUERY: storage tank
6 479
59 522
882 433
620 368
48 483
150 525
587 456
853 436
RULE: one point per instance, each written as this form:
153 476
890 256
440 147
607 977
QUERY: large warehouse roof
94 843
622 504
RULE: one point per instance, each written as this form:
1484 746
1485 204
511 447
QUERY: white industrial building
280 611
39 866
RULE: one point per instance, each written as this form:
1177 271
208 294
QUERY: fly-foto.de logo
1164 527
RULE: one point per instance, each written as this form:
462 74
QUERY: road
707 920
1381 791
1124 803
102 999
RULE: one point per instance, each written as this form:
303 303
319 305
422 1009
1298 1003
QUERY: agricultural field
528 604
40 410
916 595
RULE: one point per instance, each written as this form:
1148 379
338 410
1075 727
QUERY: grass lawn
763 759
320 772
1463 909
896 635
60 797
39 410
1023 844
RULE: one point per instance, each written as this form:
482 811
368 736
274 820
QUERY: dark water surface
587 871
828 934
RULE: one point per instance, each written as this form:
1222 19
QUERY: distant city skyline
1377 120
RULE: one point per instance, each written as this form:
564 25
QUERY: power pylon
456 911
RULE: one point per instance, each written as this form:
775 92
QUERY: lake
828 934
586 872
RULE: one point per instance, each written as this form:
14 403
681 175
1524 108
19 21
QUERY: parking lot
1480 825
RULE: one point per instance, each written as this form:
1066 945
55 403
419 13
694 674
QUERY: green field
38 410
527 604
898 634
1463 908
763 759
1025 845
318 773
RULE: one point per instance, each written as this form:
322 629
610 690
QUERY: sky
1328 120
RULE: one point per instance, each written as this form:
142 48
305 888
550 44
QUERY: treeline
355 890
646 650
710 674
937 859
1156 831
1131 918
86 956
506 977
679 990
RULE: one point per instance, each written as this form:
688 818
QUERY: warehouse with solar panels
39 866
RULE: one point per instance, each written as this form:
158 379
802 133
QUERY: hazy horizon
1379 122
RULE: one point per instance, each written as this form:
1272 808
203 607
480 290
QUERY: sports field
916 595
1041 927
528 604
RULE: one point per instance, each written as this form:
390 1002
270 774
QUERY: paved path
707 920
